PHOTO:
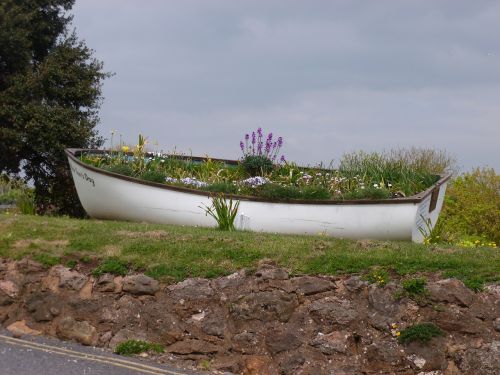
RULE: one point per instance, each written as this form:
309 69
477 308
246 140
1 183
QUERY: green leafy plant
136 347
367 193
422 333
222 187
26 202
123 169
378 276
415 289
112 265
223 210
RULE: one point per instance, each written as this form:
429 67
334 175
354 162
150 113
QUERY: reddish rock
20 328
451 291
9 288
259 365
83 332
192 347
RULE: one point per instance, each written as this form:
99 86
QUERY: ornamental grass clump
259 158
223 211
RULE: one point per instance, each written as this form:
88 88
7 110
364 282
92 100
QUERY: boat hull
105 195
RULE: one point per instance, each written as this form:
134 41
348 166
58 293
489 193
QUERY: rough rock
68 278
337 341
20 328
496 324
259 365
429 357
277 342
9 288
140 284
192 289
309 285
331 310
192 346
354 284
451 291
483 361
264 306
83 332
105 283
270 272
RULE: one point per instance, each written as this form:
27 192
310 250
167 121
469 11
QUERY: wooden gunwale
73 154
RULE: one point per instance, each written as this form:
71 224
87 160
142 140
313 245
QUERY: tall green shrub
472 207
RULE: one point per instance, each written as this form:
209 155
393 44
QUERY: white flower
375 185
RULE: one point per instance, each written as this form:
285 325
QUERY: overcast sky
328 76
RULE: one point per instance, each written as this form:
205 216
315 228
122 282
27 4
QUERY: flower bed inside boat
262 173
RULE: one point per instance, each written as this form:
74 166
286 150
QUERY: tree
50 93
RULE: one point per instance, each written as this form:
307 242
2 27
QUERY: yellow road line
91 357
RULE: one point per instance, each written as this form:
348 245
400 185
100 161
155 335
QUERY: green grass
177 252
136 347
113 265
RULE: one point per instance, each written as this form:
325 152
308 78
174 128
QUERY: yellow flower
398 333
125 148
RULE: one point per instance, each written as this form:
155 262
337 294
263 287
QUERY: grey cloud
330 76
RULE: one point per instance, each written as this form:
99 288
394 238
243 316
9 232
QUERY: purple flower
259 131
242 146
282 159
247 137
280 141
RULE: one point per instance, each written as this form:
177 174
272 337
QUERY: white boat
107 195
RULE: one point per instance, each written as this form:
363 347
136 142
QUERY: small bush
26 202
423 333
415 287
153 176
257 165
136 347
111 265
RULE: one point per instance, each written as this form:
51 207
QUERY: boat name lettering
83 175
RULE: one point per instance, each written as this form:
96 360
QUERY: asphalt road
46 356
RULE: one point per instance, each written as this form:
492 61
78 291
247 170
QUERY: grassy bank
175 252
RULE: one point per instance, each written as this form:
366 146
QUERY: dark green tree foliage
50 93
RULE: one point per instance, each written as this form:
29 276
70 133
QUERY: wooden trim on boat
73 154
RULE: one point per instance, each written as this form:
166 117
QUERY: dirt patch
39 243
111 250
153 234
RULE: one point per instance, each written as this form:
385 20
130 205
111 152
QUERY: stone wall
261 323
